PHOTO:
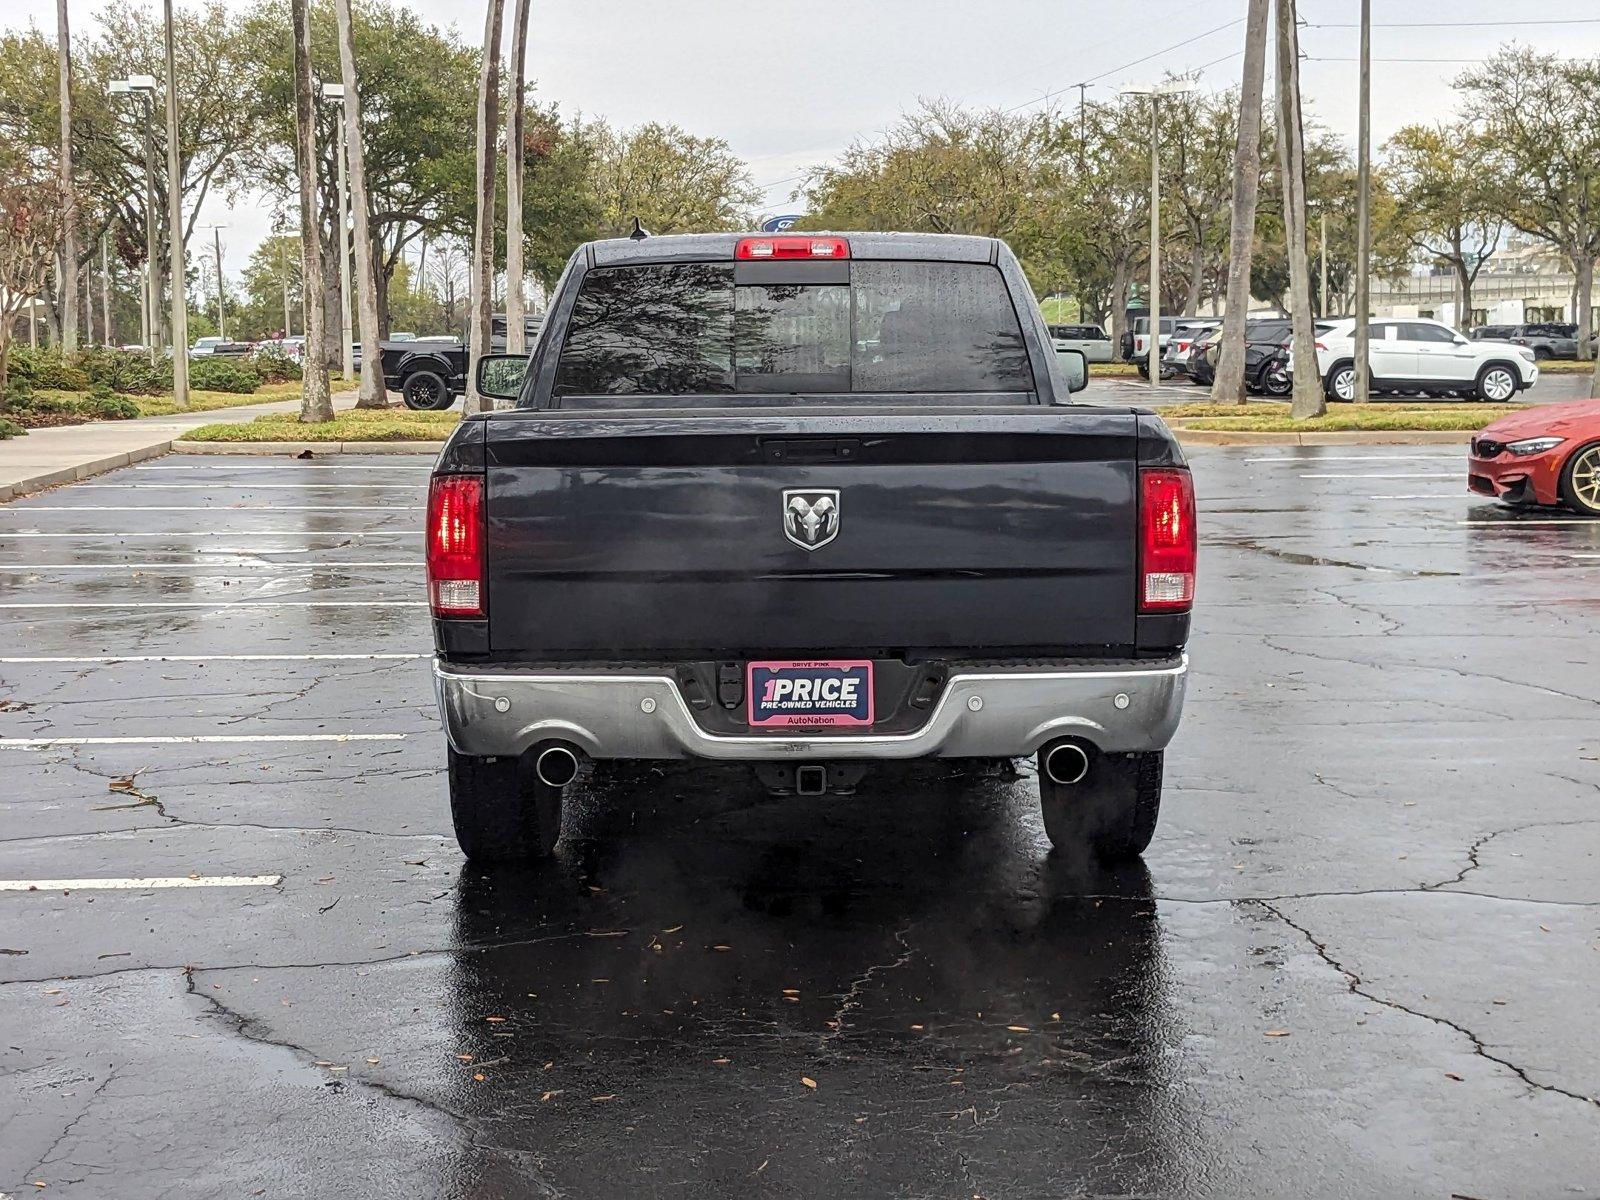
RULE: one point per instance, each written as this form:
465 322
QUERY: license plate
817 693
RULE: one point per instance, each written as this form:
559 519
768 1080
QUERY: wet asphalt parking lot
1362 956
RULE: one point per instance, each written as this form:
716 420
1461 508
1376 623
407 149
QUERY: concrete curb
82 470
316 449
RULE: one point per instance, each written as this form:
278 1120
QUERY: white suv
1415 355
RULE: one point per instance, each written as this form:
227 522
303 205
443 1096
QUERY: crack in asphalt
1472 851
88 1104
852 997
1358 987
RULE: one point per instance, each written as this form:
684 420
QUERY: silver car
1093 342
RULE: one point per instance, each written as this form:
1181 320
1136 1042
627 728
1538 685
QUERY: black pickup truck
429 373
820 504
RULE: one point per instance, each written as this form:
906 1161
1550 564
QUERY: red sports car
1544 455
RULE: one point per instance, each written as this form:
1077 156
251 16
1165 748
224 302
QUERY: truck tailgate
945 529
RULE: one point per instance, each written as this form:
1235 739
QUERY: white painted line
304 466
118 534
138 885
1311 460
216 604
204 658
1518 522
196 739
209 566
216 508
243 487
1451 496
1388 475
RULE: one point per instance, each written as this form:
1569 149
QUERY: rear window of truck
687 328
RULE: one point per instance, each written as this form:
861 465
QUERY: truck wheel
425 391
1111 813
501 813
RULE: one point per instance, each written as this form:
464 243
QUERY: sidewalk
45 457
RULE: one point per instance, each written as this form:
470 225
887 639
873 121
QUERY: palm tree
1228 386
372 393
1308 400
479 327
69 245
315 403
515 300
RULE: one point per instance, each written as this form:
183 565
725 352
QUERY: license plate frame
769 705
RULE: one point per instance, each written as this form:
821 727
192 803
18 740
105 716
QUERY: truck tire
501 813
1112 813
425 391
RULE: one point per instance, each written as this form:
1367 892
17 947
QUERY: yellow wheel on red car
1580 481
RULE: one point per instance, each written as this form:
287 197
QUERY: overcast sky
789 85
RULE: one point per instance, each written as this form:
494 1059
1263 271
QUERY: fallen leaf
674 929
1452 1075
721 947
1276 1033
1546 928
598 1099
478 1077
465 1057
809 1082
1018 1028
549 1094
918 1028
721 1061
495 1020
791 991
415 862
372 1062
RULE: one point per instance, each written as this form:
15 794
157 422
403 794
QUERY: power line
1454 24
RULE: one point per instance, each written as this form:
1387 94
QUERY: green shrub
126 372
18 393
272 365
48 369
10 429
112 408
223 375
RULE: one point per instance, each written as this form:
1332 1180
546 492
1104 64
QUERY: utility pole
180 301
1322 284
334 93
105 292
1153 347
216 242
1083 120
1364 209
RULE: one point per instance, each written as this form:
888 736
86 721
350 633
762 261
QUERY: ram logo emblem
811 517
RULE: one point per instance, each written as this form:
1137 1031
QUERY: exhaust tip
1066 763
556 766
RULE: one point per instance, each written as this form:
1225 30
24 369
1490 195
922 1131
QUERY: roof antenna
639 231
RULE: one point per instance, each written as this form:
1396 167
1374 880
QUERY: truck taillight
762 248
1167 547
455 546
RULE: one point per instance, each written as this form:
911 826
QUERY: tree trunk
315 403
1228 386
1583 263
1120 281
1308 400
384 276
480 326
1197 269
372 393
516 302
69 194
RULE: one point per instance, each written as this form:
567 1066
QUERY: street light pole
1153 348
1322 287
180 301
1363 209
216 236
334 92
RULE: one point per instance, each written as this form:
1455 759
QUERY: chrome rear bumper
981 714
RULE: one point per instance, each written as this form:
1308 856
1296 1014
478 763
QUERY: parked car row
1546 340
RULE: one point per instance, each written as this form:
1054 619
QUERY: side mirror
500 375
1074 369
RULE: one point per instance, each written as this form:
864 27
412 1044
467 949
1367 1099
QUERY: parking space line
223 508
215 604
188 533
243 487
203 658
1308 460
210 566
1388 475
137 884
196 739
1519 522
290 466
1452 496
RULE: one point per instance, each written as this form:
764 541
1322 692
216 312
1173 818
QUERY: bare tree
516 295
372 393
1228 386
315 403
68 278
32 223
480 324
1309 399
